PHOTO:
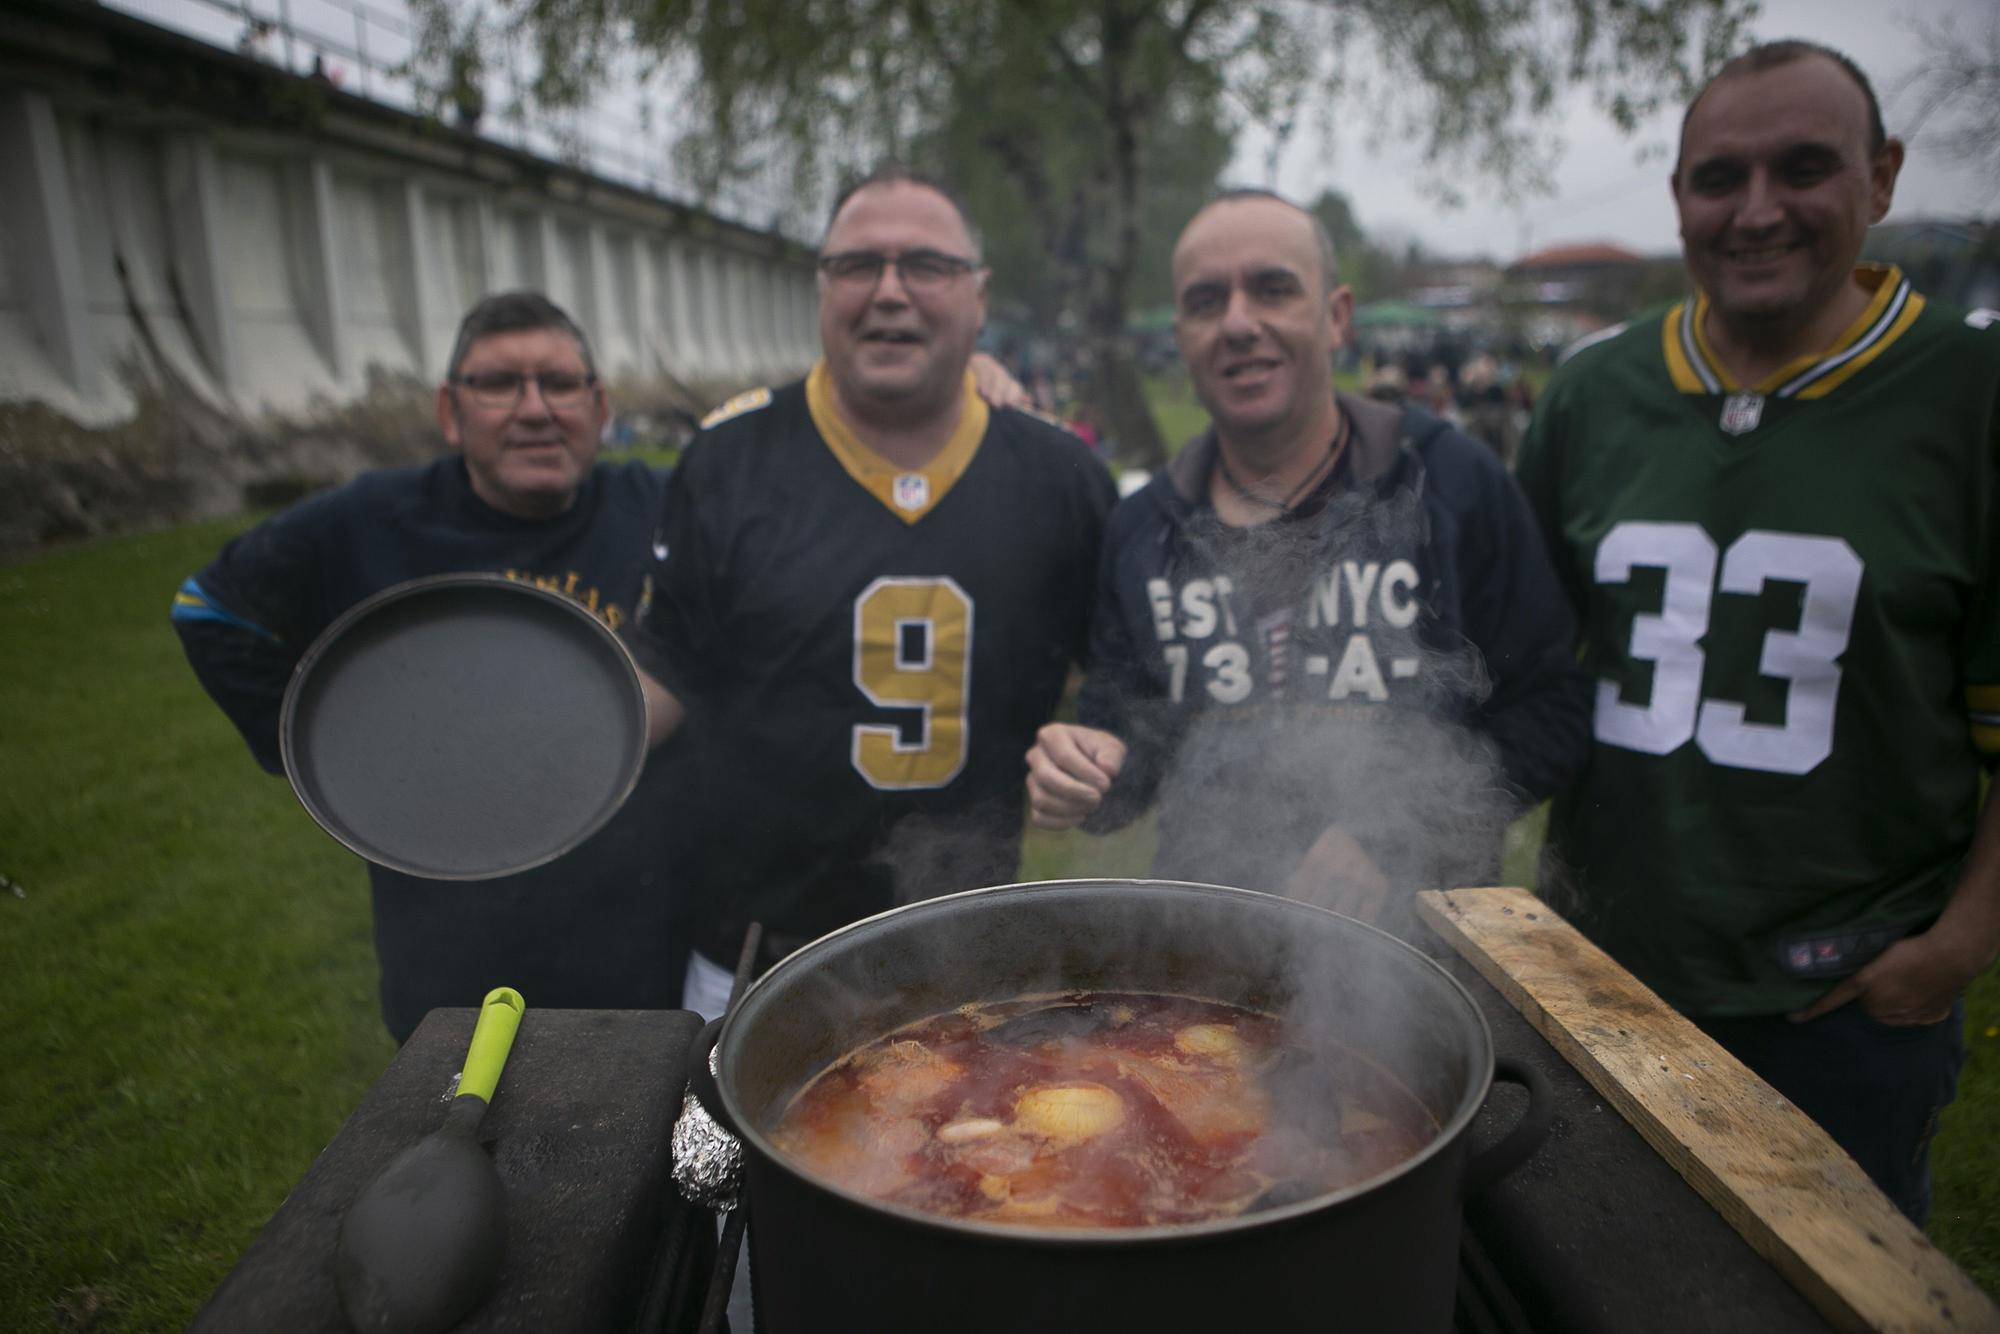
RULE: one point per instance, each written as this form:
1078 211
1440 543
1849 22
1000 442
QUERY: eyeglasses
920 270
502 389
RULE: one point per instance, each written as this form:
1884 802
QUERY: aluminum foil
708 1160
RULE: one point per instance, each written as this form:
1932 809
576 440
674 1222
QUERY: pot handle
1490 1164
701 1080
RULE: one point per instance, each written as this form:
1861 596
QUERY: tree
1957 84
1364 266
825 86
1039 244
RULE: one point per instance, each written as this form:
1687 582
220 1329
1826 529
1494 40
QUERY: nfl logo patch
1742 412
912 491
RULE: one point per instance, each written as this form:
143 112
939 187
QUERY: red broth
1100 1110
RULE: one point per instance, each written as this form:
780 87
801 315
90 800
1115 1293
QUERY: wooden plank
1793 1194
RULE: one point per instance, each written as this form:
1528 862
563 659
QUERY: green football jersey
1787 594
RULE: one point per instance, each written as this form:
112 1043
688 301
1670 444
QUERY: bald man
1328 646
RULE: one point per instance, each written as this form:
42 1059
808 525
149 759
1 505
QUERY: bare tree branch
1957 91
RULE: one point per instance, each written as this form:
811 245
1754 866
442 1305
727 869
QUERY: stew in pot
1099 1110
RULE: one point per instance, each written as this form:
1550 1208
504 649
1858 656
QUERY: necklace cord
1284 507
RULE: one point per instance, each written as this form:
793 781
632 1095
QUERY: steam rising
1250 787
1345 995
932 855
1243 795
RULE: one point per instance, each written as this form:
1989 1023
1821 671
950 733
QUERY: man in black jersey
521 493
868 589
1328 645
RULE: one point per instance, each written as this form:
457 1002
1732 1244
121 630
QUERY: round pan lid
463 727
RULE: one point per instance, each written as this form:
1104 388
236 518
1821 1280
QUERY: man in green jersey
1777 510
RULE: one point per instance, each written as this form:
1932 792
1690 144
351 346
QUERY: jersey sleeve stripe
192 603
1982 705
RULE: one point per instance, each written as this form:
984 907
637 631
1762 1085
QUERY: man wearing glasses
868 591
520 494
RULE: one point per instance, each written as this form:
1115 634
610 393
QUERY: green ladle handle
493 1037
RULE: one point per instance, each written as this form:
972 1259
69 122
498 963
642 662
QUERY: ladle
422 1244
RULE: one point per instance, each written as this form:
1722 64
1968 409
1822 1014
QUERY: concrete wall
274 247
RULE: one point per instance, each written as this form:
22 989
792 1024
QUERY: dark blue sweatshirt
1395 657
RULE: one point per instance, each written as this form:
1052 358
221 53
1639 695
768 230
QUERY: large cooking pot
1380 1256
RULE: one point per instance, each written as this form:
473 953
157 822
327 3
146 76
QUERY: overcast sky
1602 191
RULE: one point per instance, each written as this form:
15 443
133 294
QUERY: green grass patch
188 961
1965 1168
191 986
1175 410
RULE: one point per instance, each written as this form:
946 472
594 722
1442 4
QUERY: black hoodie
1396 658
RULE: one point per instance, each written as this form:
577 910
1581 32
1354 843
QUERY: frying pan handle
492 1039
702 1081
1495 1161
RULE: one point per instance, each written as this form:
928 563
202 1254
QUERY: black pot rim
1448 1136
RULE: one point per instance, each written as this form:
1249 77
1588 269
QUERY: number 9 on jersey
913 650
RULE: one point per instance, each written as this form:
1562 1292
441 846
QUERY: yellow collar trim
1893 308
907 493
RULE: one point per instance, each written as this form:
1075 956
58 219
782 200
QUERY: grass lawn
190 984
1179 416
187 958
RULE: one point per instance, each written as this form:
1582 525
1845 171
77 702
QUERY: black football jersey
865 653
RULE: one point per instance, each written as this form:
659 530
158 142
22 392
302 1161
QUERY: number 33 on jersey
1818 585
1793 616
1805 656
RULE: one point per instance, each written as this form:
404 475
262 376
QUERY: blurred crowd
1485 396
